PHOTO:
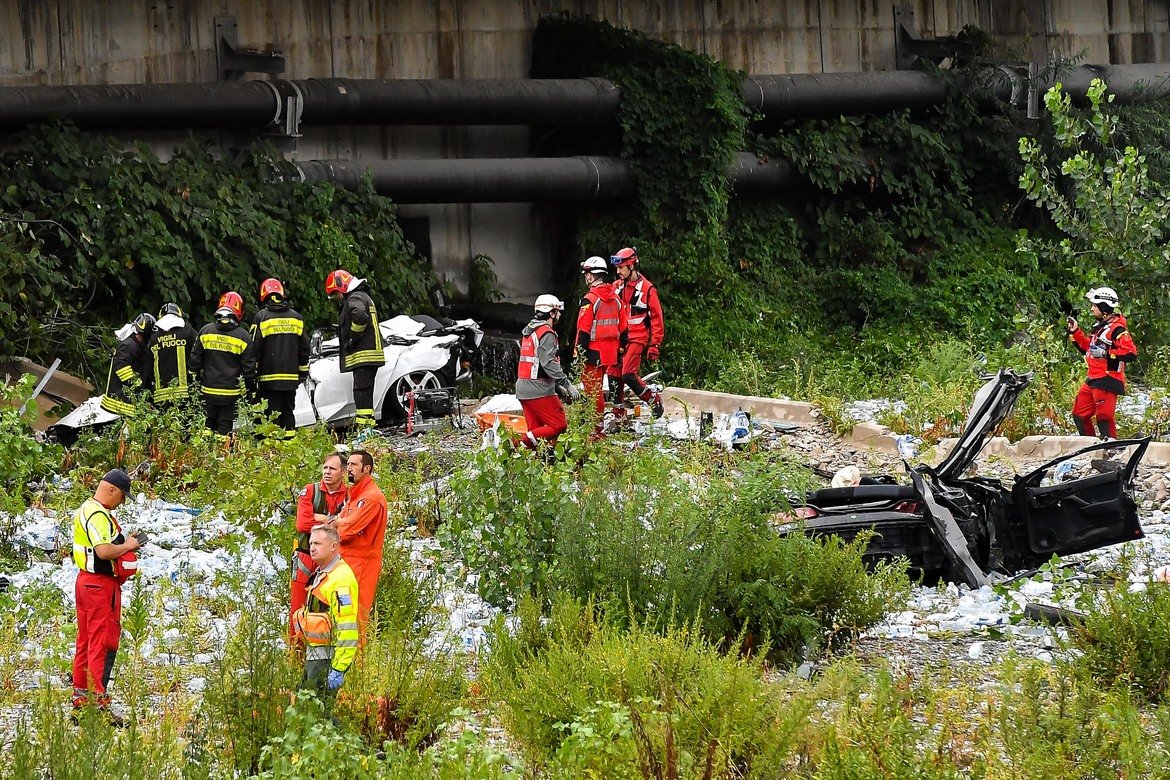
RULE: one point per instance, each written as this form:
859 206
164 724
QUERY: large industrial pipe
256 104
524 179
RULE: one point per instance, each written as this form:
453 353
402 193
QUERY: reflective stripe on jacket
333 592
223 355
93 524
643 310
1112 337
529 366
126 365
170 353
282 346
359 334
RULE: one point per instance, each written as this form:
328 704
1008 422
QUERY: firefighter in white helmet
541 383
1107 348
601 333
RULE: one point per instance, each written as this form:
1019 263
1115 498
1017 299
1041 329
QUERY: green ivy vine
92 232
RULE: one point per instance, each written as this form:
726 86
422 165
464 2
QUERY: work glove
334 680
1097 351
652 352
567 392
1071 324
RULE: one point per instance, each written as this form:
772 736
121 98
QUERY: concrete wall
90 41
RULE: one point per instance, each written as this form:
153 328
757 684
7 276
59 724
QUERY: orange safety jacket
362 522
1107 348
529 366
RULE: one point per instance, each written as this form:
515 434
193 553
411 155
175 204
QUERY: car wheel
396 401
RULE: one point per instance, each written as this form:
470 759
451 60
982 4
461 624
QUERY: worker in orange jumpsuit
319 503
362 525
601 332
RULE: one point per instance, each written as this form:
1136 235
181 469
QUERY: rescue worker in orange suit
223 356
170 348
541 383
320 502
128 367
282 354
1107 348
601 332
105 559
646 330
362 525
327 625
359 337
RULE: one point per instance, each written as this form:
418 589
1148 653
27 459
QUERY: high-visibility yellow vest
328 623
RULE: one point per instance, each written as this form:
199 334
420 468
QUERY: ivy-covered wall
91 234
904 231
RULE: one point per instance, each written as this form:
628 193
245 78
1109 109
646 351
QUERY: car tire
395 405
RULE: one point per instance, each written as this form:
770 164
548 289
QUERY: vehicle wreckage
425 359
975 530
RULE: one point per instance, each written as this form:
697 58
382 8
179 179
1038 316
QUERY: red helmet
270 287
338 281
627 256
234 301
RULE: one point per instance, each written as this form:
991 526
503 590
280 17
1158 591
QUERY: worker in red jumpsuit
1107 348
644 319
601 333
319 503
105 559
541 383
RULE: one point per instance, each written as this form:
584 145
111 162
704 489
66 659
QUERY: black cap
119 479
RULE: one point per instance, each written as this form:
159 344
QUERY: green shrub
649 700
25 459
249 685
1058 724
1124 640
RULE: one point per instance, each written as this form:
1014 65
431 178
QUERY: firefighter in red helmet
639 296
282 353
359 336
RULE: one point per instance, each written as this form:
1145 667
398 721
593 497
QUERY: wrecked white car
425 358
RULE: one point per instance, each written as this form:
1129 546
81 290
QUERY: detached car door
1080 514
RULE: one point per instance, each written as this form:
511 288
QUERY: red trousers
631 369
545 418
298 594
1092 402
99 627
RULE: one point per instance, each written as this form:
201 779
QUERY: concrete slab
677 399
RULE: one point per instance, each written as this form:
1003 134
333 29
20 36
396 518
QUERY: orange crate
513 422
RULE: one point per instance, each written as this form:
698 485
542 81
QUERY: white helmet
595 265
546 304
1105 295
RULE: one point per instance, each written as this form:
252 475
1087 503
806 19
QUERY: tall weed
649 701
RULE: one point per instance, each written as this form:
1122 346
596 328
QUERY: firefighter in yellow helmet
327 625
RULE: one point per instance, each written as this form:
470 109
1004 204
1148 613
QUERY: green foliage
1123 639
102 232
662 535
1112 215
398 690
25 459
483 284
249 685
598 699
1061 725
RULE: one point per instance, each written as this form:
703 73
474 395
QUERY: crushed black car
971 530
